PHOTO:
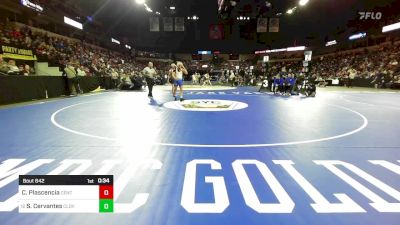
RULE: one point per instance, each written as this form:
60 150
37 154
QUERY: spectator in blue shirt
276 83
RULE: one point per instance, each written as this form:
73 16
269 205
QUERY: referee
149 73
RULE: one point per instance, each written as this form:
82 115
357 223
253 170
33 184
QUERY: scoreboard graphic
65 194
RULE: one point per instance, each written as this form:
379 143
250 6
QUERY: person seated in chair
207 80
288 85
126 82
310 87
3 65
137 82
12 68
292 84
275 86
25 70
282 85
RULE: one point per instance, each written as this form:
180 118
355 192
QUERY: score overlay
66 194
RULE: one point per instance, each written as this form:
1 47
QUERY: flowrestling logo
206 105
370 15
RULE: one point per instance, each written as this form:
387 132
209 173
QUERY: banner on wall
262 24
179 24
168 23
274 25
14 52
154 24
216 32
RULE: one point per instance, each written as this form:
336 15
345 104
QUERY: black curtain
20 88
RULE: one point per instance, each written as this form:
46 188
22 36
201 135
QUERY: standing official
149 73
72 78
352 74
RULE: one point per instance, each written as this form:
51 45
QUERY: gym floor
229 156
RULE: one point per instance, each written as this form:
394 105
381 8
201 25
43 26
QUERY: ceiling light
140 1
188 17
391 27
303 2
248 18
158 13
172 7
113 40
298 48
357 36
329 43
290 11
241 18
147 8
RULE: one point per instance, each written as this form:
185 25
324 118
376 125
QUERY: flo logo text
370 15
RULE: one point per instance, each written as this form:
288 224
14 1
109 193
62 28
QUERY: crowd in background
227 77
380 65
112 67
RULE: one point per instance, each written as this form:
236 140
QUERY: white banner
307 55
179 24
274 25
154 24
262 24
168 23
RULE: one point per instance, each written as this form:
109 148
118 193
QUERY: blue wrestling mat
232 157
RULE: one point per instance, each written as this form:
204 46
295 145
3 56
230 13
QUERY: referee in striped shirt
149 73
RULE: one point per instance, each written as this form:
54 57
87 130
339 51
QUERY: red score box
106 192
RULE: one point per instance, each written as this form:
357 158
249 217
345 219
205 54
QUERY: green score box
106 206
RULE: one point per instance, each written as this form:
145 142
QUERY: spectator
114 79
396 82
26 70
207 80
126 82
232 78
12 68
3 65
80 71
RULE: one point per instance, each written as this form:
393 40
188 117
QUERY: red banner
216 32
